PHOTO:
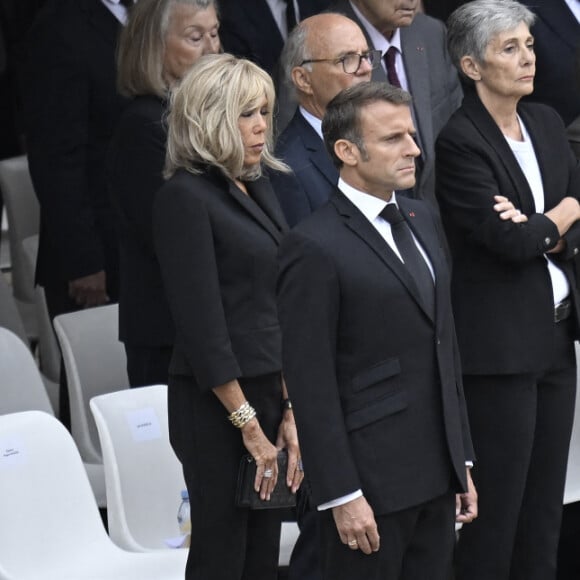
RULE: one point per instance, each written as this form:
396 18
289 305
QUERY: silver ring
300 466
353 543
268 473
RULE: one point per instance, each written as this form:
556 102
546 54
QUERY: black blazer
374 380
557 34
502 294
314 176
248 29
72 108
134 173
433 83
217 250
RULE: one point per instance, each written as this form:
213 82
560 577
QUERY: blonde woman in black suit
217 227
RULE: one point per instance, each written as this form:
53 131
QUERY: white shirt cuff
340 500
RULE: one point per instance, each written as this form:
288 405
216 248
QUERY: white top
574 6
118 10
278 10
382 44
527 160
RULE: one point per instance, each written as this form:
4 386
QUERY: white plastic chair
23 212
95 364
143 476
51 527
572 491
22 389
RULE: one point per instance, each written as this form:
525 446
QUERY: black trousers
148 365
416 544
521 427
227 542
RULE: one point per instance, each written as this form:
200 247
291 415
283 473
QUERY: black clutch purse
246 497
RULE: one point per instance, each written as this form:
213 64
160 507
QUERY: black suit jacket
557 34
313 178
433 83
217 250
374 380
248 29
135 164
502 294
72 108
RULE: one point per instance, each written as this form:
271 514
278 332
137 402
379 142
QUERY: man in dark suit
257 29
369 355
72 107
557 40
314 177
421 66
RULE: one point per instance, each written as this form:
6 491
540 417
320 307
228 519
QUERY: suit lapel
557 16
102 20
259 207
487 127
362 228
317 151
416 70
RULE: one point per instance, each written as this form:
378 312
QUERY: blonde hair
141 49
204 111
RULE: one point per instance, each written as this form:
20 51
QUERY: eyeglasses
351 62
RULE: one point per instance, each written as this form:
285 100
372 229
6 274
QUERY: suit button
575 251
547 241
438 341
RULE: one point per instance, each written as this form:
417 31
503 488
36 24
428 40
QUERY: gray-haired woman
162 40
508 187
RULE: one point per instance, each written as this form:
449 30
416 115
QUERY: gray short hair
142 46
472 27
342 117
204 112
295 52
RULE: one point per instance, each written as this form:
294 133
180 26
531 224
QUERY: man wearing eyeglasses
415 58
323 55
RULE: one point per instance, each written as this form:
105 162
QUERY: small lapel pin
411 214
420 49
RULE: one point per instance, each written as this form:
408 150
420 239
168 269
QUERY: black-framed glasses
351 62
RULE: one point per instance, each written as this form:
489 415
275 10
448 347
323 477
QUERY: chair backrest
95 364
21 386
9 314
23 211
572 491
47 343
142 474
46 504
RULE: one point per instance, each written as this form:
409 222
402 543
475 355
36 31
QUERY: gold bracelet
243 415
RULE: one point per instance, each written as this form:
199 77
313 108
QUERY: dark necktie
291 21
414 261
392 75
126 3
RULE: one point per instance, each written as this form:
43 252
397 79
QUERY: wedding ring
353 543
300 466
268 473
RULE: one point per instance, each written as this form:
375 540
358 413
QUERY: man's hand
466 503
356 525
89 290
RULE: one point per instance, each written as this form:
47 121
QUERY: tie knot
391 55
392 214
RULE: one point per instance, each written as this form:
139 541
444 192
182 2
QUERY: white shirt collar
574 6
378 40
369 205
117 9
313 121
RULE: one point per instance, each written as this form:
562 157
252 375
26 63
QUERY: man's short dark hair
342 117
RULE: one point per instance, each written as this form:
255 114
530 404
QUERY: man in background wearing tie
369 355
414 58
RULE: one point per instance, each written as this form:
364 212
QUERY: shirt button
547 241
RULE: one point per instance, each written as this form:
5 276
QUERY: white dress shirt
278 10
313 121
118 10
574 6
